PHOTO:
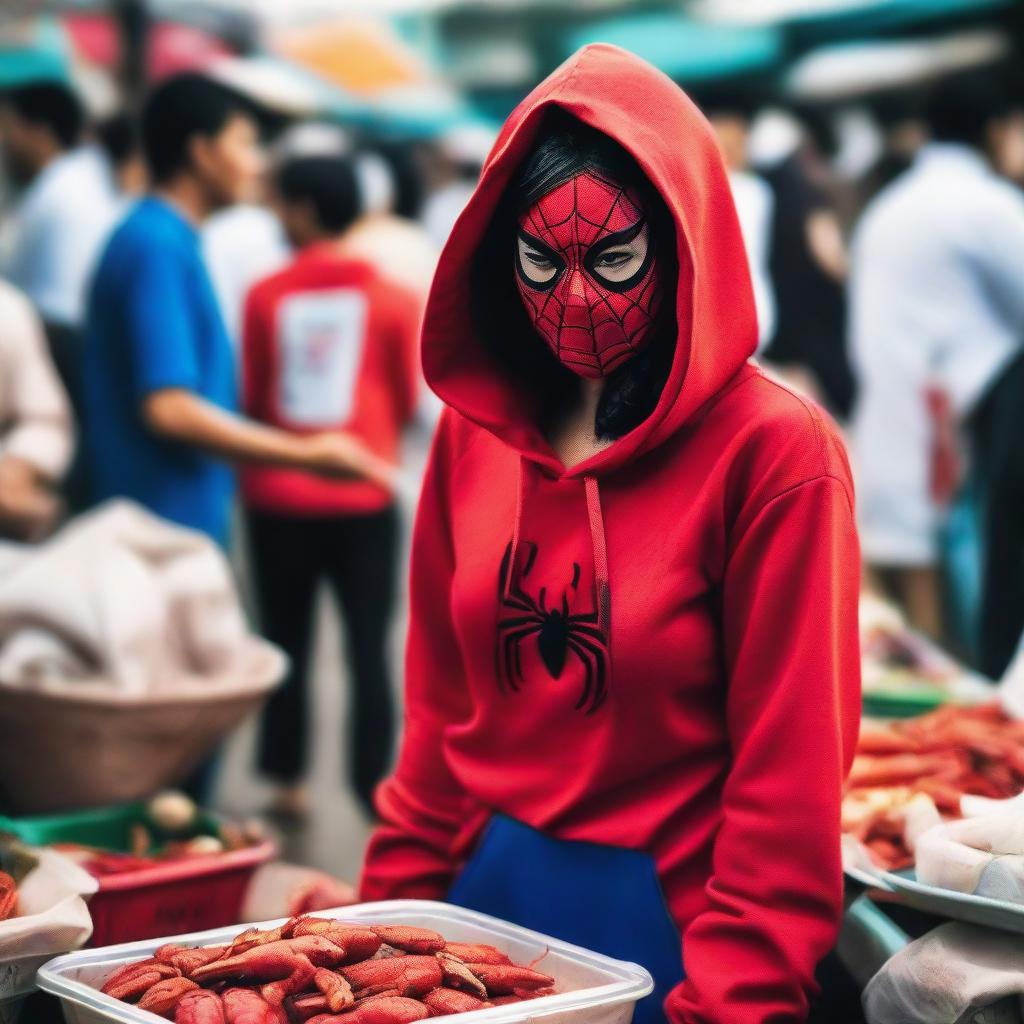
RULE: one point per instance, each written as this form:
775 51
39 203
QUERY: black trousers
357 557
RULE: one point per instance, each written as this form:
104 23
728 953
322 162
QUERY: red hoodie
722 528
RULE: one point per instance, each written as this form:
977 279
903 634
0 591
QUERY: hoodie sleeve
422 808
791 649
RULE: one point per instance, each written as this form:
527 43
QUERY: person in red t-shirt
327 344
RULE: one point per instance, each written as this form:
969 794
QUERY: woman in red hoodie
633 671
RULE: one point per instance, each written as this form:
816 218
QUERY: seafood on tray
938 757
324 971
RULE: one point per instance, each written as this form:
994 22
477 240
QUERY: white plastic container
593 989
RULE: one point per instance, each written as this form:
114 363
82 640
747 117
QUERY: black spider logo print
558 633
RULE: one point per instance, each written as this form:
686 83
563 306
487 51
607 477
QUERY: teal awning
40 55
683 48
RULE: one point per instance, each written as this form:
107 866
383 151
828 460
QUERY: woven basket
87 747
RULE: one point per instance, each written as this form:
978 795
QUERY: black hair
962 106
178 110
119 138
327 183
50 104
631 392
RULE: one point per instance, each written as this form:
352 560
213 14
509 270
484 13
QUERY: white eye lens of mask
536 266
621 262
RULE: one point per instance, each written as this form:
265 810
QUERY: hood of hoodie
643 110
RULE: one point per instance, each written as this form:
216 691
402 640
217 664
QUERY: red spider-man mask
587 273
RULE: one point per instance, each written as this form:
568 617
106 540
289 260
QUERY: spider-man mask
587 273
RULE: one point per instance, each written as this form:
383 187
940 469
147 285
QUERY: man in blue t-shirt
159 374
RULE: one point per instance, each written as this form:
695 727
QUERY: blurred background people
453 167
329 343
730 119
807 260
118 138
65 211
937 313
160 379
388 233
35 422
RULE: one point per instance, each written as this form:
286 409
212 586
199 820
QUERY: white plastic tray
594 989
960 906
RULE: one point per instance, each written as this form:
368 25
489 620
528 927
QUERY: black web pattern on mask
619 349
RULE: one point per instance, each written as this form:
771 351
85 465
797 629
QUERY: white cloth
936 297
35 419
123 598
755 208
947 976
62 224
241 245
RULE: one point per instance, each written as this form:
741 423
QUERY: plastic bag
983 856
956 974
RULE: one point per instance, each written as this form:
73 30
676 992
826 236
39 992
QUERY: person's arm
41 432
183 416
161 343
791 650
422 807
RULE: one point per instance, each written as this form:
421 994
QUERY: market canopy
854 69
841 16
684 48
385 82
33 51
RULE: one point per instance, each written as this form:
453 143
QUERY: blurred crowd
199 286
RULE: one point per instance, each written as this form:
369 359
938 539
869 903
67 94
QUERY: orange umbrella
361 55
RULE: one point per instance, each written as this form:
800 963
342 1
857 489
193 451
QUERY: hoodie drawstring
517 523
602 586
599 547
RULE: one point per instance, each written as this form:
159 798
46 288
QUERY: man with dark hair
159 372
65 212
329 344
937 306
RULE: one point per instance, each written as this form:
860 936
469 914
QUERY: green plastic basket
108 828
164 898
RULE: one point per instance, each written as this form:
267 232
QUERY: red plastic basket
175 897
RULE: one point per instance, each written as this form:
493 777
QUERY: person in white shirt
241 245
68 205
35 422
937 312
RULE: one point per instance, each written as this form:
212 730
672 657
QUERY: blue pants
600 897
